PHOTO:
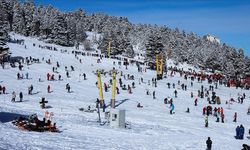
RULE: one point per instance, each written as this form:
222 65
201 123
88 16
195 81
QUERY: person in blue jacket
241 132
171 108
237 132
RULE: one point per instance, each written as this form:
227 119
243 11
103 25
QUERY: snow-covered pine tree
128 49
48 17
154 46
18 18
60 31
80 26
7 10
28 12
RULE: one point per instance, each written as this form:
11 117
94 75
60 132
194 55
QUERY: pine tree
60 31
128 49
154 46
7 10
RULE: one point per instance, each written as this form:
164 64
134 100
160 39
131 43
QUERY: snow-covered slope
152 127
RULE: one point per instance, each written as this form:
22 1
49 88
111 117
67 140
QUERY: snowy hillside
150 127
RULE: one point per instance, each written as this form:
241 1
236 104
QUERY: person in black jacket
21 96
209 143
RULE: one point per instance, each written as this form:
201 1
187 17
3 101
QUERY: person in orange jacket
222 110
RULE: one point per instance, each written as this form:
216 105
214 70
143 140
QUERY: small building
117 118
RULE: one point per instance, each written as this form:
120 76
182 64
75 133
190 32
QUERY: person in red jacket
218 110
221 110
204 110
222 117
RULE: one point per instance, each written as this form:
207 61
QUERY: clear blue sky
229 20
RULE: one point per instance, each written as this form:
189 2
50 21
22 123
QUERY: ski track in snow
152 127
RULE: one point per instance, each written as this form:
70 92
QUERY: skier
21 96
218 110
133 85
129 89
175 93
67 74
84 76
27 75
165 100
241 100
117 90
237 132
195 102
222 117
42 103
48 76
18 76
30 89
241 132
52 77
221 110
187 111
48 88
217 119
192 95
4 89
206 121
209 143
139 105
244 95
153 94
235 117
97 103
171 108
204 110
105 87
215 111
13 96
39 79
72 68
168 85
68 87
59 77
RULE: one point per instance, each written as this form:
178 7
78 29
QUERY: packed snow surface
150 127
